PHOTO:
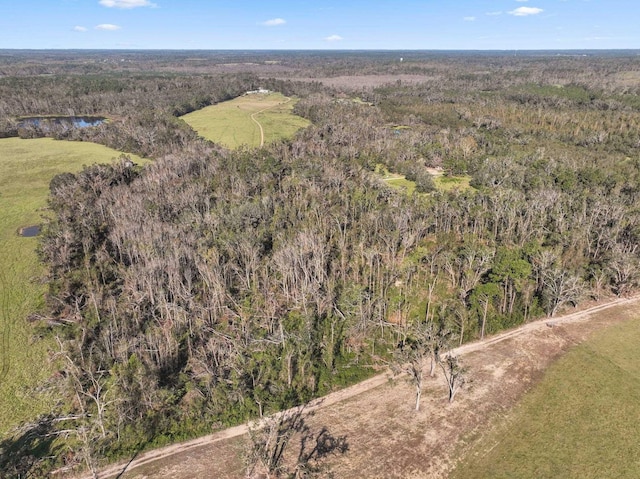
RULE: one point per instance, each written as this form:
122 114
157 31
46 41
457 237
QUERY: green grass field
26 168
448 183
582 421
230 124
401 183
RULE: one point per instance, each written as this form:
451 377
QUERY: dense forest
213 286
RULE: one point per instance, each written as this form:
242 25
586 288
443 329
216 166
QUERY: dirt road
253 118
529 329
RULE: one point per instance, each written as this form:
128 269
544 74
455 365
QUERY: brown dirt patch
351 82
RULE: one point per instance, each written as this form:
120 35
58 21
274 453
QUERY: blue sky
321 24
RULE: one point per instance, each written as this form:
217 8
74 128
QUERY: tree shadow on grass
126 466
30 451
315 447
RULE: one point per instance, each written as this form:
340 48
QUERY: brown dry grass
355 82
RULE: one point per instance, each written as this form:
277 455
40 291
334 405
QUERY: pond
30 231
55 122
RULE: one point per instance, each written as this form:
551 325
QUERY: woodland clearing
249 120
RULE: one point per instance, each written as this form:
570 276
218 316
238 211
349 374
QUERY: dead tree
560 287
454 374
268 440
422 344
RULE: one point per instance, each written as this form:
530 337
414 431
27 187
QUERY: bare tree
92 398
483 295
560 287
454 374
268 440
271 437
467 267
624 269
422 345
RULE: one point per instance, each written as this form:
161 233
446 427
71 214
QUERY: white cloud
525 11
600 38
469 19
274 22
78 28
334 38
108 27
126 4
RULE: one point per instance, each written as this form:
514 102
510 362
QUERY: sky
320 24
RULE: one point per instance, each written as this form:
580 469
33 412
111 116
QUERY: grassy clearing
582 421
401 183
26 168
448 183
442 182
394 180
229 123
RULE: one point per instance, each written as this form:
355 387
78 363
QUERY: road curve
349 392
253 118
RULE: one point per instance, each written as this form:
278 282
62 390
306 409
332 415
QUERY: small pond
29 231
65 122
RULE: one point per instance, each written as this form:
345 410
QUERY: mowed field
582 421
26 168
232 124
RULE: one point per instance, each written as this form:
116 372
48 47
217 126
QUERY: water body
56 122
30 231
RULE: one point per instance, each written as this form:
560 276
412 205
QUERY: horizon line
324 49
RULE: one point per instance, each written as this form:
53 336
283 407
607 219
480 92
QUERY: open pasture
237 122
581 421
26 168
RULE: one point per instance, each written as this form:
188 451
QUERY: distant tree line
142 110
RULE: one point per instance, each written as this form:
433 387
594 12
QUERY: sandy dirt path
253 118
528 329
